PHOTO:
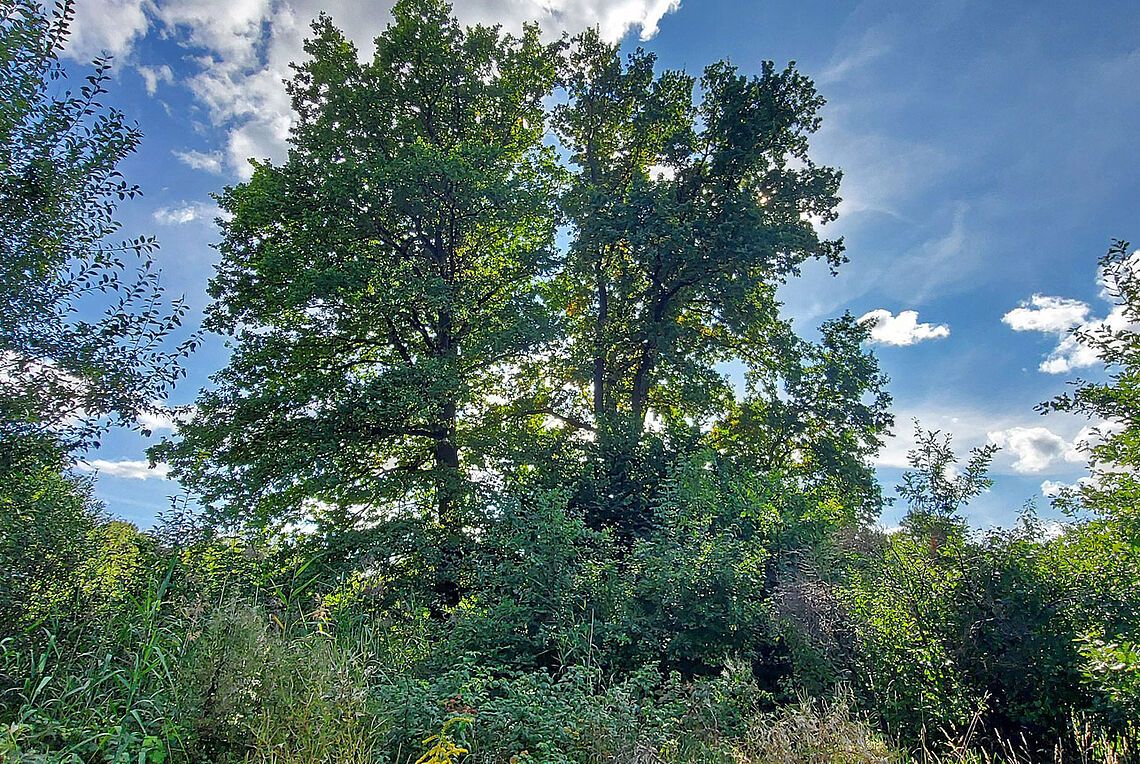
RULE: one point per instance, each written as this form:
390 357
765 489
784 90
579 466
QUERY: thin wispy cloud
210 162
187 212
871 46
153 75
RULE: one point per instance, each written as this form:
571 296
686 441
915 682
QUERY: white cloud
1053 488
1061 316
651 17
129 469
1069 319
1025 444
210 162
158 420
1041 313
874 43
152 75
1069 354
186 212
1036 448
106 26
903 329
244 47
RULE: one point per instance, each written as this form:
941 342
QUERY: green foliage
686 214
1113 667
699 582
105 691
991 633
377 285
1115 404
471 499
579 717
59 188
377 282
816 414
934 490
47 517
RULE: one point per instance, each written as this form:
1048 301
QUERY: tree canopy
399 307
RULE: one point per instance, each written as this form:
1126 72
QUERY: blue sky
989 152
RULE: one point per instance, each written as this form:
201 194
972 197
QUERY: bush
266 698
47 516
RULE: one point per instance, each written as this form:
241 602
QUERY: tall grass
106 692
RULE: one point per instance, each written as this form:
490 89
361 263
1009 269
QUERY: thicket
466 494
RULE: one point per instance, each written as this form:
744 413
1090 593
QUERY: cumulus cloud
1068 320
198 160
1063 318
186 212
1041 313
1036 448
1069 354
243 48
129 469
1027 448
107 26
903 329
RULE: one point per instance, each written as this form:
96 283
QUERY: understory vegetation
464 493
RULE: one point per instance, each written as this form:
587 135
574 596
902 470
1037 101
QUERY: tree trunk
448 491
600 350
448 481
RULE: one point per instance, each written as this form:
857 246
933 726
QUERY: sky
989 153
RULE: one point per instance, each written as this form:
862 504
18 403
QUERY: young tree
1114 459
816 413
379 284
82 320
67 372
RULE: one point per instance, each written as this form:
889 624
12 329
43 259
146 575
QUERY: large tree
379 284
686 216
688 210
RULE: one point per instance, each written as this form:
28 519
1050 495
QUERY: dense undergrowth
863 646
